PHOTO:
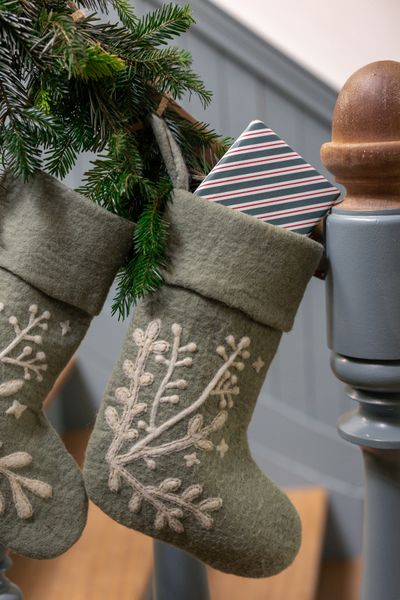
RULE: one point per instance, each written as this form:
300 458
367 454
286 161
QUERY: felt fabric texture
53 279
169 454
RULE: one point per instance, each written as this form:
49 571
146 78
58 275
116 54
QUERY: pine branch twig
70 83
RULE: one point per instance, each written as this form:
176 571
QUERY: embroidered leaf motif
192 492
211 504
23 506
15 460
170 485
176 525
205 445
153 438
205 520
146 379
135 503
139 409
160 521
122 395
131 434
114 481
219 421
153 329
195 424
9 388
138 337
129 368
112 418
40 488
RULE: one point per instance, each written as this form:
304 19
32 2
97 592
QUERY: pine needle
68 87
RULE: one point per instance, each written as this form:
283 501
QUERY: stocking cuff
231 257
60 242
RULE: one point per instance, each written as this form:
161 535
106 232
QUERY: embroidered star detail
65 328
191 459
222 448
258 364
16 409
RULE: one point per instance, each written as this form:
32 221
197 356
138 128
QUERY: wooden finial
364 154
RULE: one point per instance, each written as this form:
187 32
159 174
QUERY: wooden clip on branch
78 13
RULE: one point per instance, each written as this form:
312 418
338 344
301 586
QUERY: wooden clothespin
78 13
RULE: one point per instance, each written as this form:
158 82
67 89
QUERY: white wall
330 38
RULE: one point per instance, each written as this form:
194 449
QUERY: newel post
363 302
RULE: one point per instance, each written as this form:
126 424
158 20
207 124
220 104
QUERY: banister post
363 302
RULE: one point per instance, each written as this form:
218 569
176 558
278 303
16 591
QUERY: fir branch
158 27
143 273
61 159
17 33
70 86
96 63
210 147
19 152
125 13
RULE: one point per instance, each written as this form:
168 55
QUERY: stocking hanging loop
171 153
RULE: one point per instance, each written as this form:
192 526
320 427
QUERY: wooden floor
113 562
300 580
340 580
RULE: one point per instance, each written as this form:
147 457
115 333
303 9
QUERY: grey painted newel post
363 300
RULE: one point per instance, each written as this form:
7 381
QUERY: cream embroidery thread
170 501
191 459
222 448
11 387
16 409
65 328
258 364
36 366
18 460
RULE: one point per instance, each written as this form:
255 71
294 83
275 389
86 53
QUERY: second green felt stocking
169 455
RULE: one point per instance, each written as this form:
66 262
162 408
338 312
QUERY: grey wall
293 433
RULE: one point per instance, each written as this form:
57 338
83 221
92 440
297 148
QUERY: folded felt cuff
60 242
231 257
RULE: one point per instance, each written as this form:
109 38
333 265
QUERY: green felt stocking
58 256
169 455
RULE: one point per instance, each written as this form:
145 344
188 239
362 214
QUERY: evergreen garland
70 83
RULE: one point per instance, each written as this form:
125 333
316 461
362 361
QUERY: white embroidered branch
129 396
223 384
35 365
160 497
189 410
172 363
22 504
195 437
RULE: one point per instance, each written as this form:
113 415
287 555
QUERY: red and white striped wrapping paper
265 178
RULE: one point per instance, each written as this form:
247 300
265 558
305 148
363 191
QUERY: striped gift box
263 177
